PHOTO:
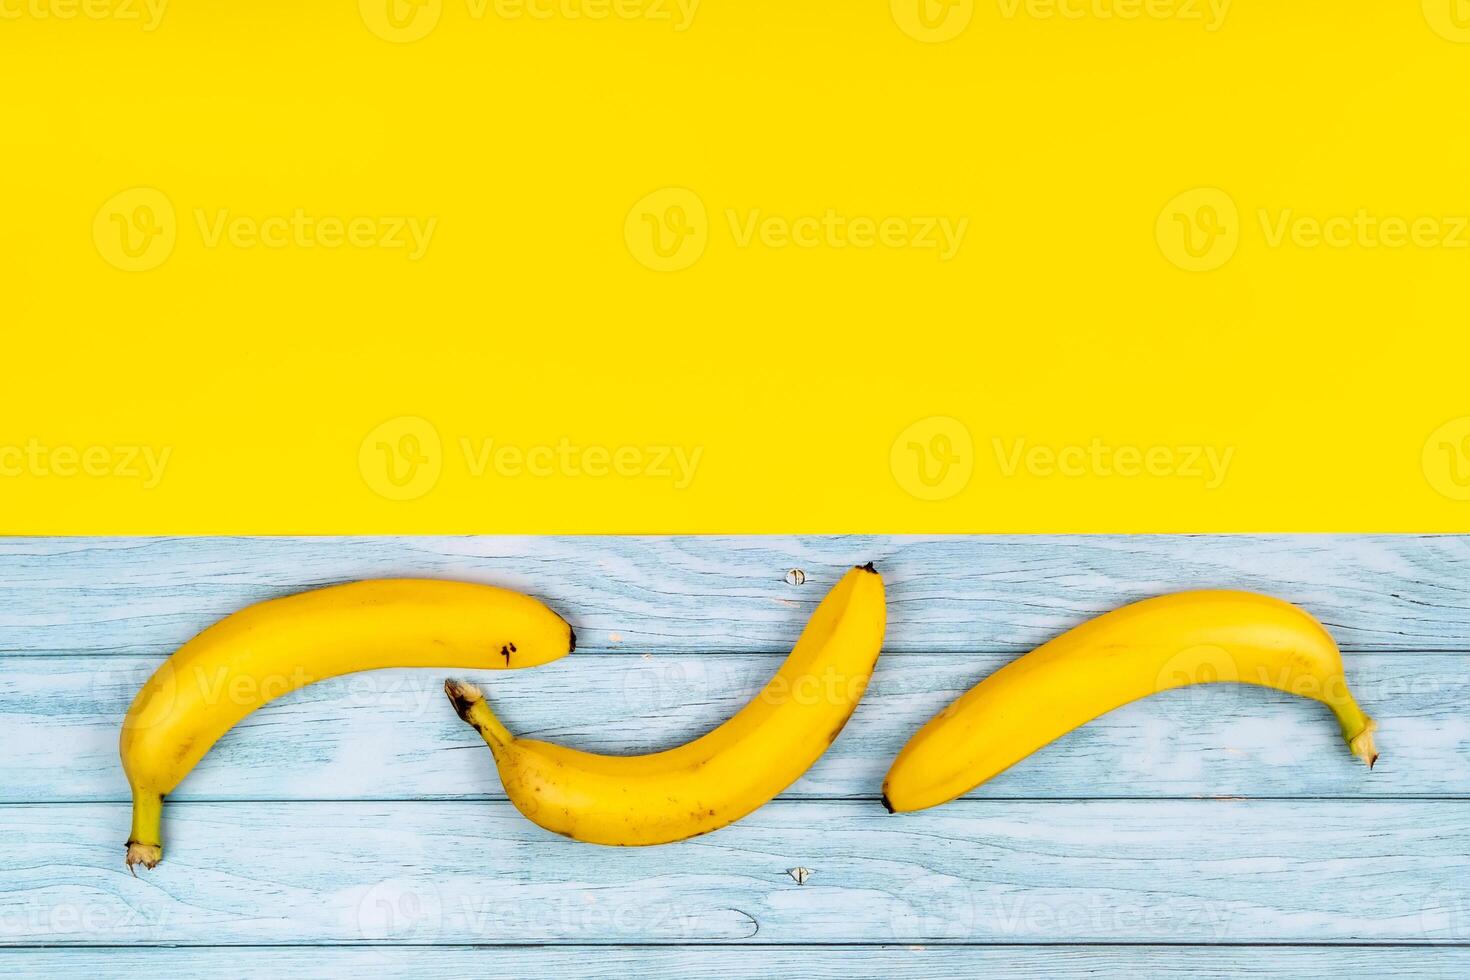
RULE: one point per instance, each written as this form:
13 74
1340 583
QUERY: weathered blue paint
360 811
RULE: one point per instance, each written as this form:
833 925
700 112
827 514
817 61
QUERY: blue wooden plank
711 594
86 619
750 962
978 872
390 734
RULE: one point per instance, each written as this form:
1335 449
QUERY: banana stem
469 704
1358 729
145 846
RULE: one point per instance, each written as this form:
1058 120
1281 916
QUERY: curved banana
260 653
1155 645
718 778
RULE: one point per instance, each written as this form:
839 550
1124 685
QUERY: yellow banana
270 649
720 777
1150 646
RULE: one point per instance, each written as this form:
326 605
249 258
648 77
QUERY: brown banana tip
148 855
462 695
571 639
887 805
1362 744
869 568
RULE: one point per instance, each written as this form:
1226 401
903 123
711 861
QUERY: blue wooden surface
1206 832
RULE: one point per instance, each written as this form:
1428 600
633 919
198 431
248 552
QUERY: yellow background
1334 376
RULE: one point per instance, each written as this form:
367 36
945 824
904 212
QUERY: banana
1155 645
260 653
717 778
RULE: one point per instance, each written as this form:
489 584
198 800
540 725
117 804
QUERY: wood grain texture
753 962
390 734
361 814
978 872
727 594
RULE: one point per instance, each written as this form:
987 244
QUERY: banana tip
887 805
463 695
148 855
869 568
1362 744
